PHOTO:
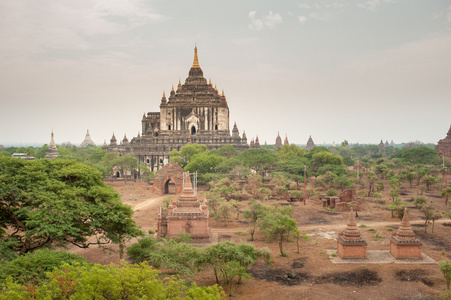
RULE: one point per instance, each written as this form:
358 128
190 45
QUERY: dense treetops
54 202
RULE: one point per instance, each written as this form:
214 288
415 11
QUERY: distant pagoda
285 142
52 151
278 141
88 141
310 144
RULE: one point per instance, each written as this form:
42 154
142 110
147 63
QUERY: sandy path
149 203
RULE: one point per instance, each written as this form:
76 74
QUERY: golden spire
164 95
196 60
209 83
172 88
222 93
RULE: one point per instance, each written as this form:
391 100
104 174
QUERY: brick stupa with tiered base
403 243
349 242
188 215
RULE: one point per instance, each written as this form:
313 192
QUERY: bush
331 192
31 267
419 202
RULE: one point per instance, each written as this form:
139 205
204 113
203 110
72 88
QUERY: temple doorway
169 187
193 130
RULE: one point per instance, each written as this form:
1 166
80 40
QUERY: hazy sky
356 70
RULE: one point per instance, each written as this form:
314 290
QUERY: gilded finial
172 88
209 82
196 60
164 95
216 88
222 93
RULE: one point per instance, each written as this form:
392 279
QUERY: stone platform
380 257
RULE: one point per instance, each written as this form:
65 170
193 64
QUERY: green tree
204 163
255 212
183 157
287 151
278 224
445 268
55 202
171 254
421 155
126 163
397 208
30 268
371 179
81 281
229 260
261 160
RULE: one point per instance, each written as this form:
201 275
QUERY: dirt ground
311 274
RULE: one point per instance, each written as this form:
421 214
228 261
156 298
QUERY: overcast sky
356 70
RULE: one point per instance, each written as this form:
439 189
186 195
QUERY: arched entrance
193 130
169 187
118 175
169 180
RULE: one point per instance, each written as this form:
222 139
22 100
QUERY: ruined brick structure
171 172
187 215
343 201
349 242
403 243
444 146
193 113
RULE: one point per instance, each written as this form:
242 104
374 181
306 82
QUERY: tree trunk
281 245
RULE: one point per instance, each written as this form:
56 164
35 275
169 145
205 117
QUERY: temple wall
405 251
351 251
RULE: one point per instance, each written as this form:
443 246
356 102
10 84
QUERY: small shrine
52 151
403 243
187 215
349 242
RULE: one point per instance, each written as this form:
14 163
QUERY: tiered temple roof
52 151
88 141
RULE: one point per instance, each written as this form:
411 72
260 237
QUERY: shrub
30 268
331 192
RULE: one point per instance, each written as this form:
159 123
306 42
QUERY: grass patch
371 229
241 233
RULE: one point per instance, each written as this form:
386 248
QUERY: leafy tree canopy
81 281
183 157
260 160
31 267
287 151
421 155
54 202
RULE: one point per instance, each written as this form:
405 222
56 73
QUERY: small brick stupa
188 215
403 243
349 242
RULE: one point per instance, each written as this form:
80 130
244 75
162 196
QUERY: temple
444 146
403 243
278 141
52 151
310 144
349 242
87 141
193 113
188 215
